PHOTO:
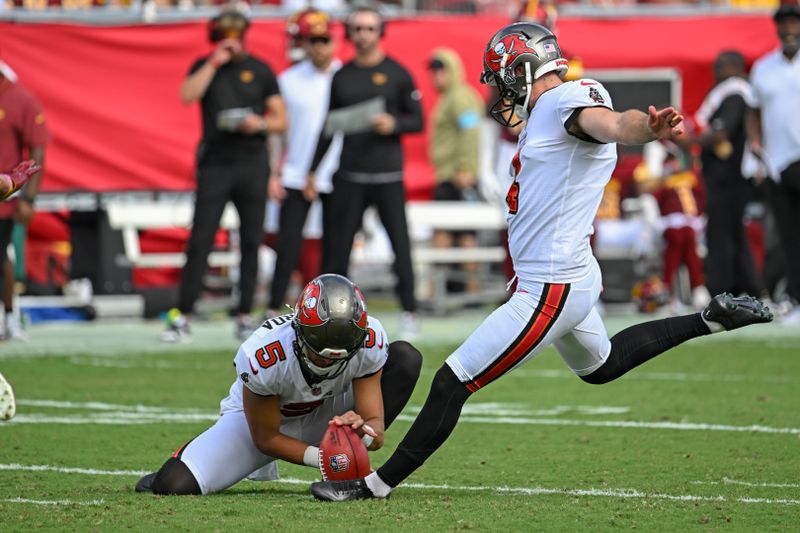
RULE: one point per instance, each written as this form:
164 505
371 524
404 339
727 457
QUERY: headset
363 9
227 24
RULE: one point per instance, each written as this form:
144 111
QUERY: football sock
377 486
433 425
637 344
400 374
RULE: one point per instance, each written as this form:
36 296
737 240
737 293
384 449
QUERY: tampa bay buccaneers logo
308 309
503 54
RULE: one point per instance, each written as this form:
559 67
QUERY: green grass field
703 438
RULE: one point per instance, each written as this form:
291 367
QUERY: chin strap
522 110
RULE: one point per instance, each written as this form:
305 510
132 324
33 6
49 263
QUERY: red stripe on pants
539 325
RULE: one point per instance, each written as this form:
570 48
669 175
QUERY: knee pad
405 360
175 478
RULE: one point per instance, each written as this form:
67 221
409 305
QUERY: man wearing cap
454 147
774 131
240 103
306 88
371 165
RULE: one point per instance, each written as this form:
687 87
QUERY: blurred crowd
455 6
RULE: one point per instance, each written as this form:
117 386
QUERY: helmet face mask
330 321
514 58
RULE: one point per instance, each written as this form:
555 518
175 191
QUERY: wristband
367 439
311 457
214 64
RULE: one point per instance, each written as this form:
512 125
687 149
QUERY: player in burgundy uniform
565 157
681 197
327 361
9 184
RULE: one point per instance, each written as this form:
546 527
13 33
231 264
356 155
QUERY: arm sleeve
196 65
468 121
255 378
324 142
271 86
34 126
374 357
755 94
577 97
730 115
410 118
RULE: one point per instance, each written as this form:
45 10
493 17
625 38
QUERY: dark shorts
447 192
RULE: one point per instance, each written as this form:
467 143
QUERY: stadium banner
111 93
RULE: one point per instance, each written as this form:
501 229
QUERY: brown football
342 455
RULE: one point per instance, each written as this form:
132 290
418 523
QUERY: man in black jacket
371 166
721 120
240 104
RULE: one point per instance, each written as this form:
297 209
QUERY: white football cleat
14 330
8 405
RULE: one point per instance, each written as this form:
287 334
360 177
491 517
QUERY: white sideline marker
520 491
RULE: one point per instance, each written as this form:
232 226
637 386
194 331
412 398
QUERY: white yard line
52 502
519 491
103 406
70 470
638 375
683 426
729 481
477 413
113 418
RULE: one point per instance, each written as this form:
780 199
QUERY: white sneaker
409 327
8 405
14 329
700 297
792 318
177 328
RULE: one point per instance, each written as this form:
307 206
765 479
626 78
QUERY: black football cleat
146 483
736 312
341 491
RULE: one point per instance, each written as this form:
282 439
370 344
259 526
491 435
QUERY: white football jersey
558 186
266 363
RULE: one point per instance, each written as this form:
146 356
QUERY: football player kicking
328 361
566 155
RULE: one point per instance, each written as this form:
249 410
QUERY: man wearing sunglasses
328 361
240 103
371 165
305 87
